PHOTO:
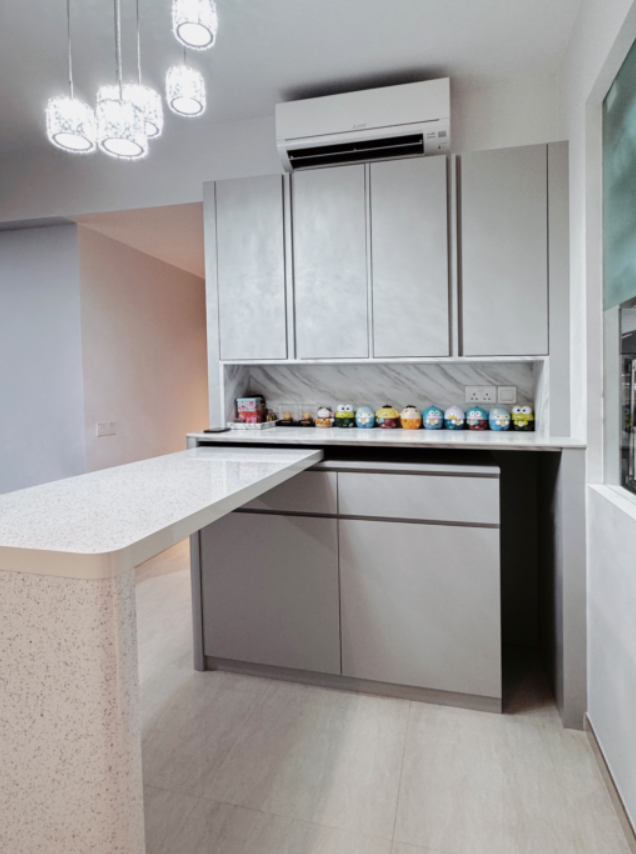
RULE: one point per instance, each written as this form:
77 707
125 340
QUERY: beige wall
144 352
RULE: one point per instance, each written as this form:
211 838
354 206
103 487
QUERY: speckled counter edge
70 746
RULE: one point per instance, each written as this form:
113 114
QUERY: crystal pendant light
147 99
185 90
121 126
195 23
70 123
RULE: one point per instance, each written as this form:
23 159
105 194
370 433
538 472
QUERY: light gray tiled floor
239 765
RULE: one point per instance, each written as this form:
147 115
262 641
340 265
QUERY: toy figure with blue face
345 416
477 418
433 418
499 419
365 417
454 418
522 419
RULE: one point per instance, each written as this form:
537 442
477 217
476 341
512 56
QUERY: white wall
604 32
144 352
41 403
519 111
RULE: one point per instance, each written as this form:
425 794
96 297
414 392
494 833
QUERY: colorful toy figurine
345 416
324 418
411 418
477 418
499 419
522 419
454 418
365 417
388 417
433 418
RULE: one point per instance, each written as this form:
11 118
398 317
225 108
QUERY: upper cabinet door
330 263
504 252
409 249
251 268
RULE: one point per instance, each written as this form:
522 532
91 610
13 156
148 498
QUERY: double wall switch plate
481 394
507 394
106 428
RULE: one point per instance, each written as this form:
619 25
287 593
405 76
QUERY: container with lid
454 418
477 418
388 417
324 418
411 418
345 416
522 419
433 418
499 419
365 417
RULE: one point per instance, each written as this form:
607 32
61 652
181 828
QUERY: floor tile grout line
399 791
354 831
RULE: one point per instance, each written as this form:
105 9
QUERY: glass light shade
149 102
121 127
185 90
195 22
71 125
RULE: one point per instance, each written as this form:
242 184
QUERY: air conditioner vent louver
412 120
355 152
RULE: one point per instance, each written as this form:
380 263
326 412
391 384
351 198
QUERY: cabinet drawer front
472 500
270 591
309 492
421 605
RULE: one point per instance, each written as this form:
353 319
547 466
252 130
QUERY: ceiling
271 50
173 233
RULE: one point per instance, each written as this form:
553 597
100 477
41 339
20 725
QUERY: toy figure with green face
522 419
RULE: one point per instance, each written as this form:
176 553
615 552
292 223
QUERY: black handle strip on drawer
369 518
334 468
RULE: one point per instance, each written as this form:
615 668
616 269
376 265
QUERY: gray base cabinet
387 575
270 591
420 605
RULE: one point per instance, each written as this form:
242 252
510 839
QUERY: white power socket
481 394
106 428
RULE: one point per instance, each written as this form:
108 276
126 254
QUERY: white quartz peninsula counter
69 693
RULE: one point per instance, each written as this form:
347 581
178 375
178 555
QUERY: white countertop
102 524
356 437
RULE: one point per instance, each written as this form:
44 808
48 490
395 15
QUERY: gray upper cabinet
504 252
330 263
409 240
251 268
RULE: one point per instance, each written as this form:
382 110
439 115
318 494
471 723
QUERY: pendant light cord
138 48
118 46
70 61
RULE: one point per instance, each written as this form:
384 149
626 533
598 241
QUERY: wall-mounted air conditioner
376 124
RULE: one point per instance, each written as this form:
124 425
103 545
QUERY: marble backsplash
298 387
